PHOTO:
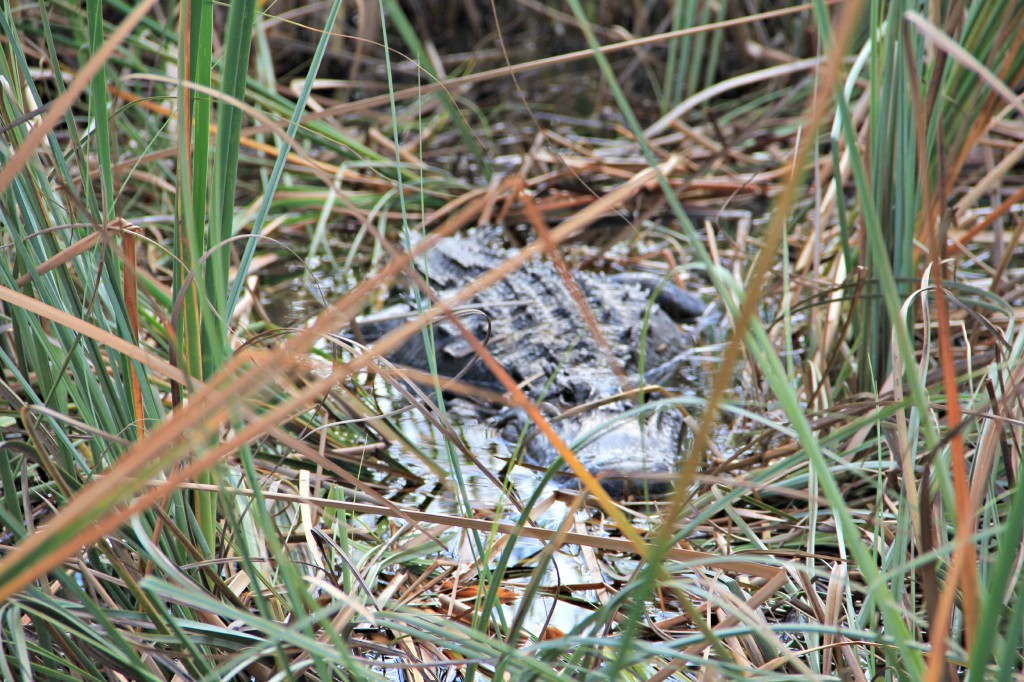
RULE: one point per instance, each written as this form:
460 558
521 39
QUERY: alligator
532 325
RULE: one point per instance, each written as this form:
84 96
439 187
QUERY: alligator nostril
575 393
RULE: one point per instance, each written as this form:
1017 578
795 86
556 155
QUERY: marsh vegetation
206 476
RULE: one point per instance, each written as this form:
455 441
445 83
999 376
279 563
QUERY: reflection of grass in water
283 557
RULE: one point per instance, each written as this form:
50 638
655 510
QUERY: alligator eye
549 411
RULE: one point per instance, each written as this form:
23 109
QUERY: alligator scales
531 324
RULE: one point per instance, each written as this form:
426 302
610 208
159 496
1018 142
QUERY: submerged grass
191 491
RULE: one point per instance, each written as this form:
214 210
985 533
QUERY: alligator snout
631 448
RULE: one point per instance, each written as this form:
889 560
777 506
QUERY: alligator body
531 324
